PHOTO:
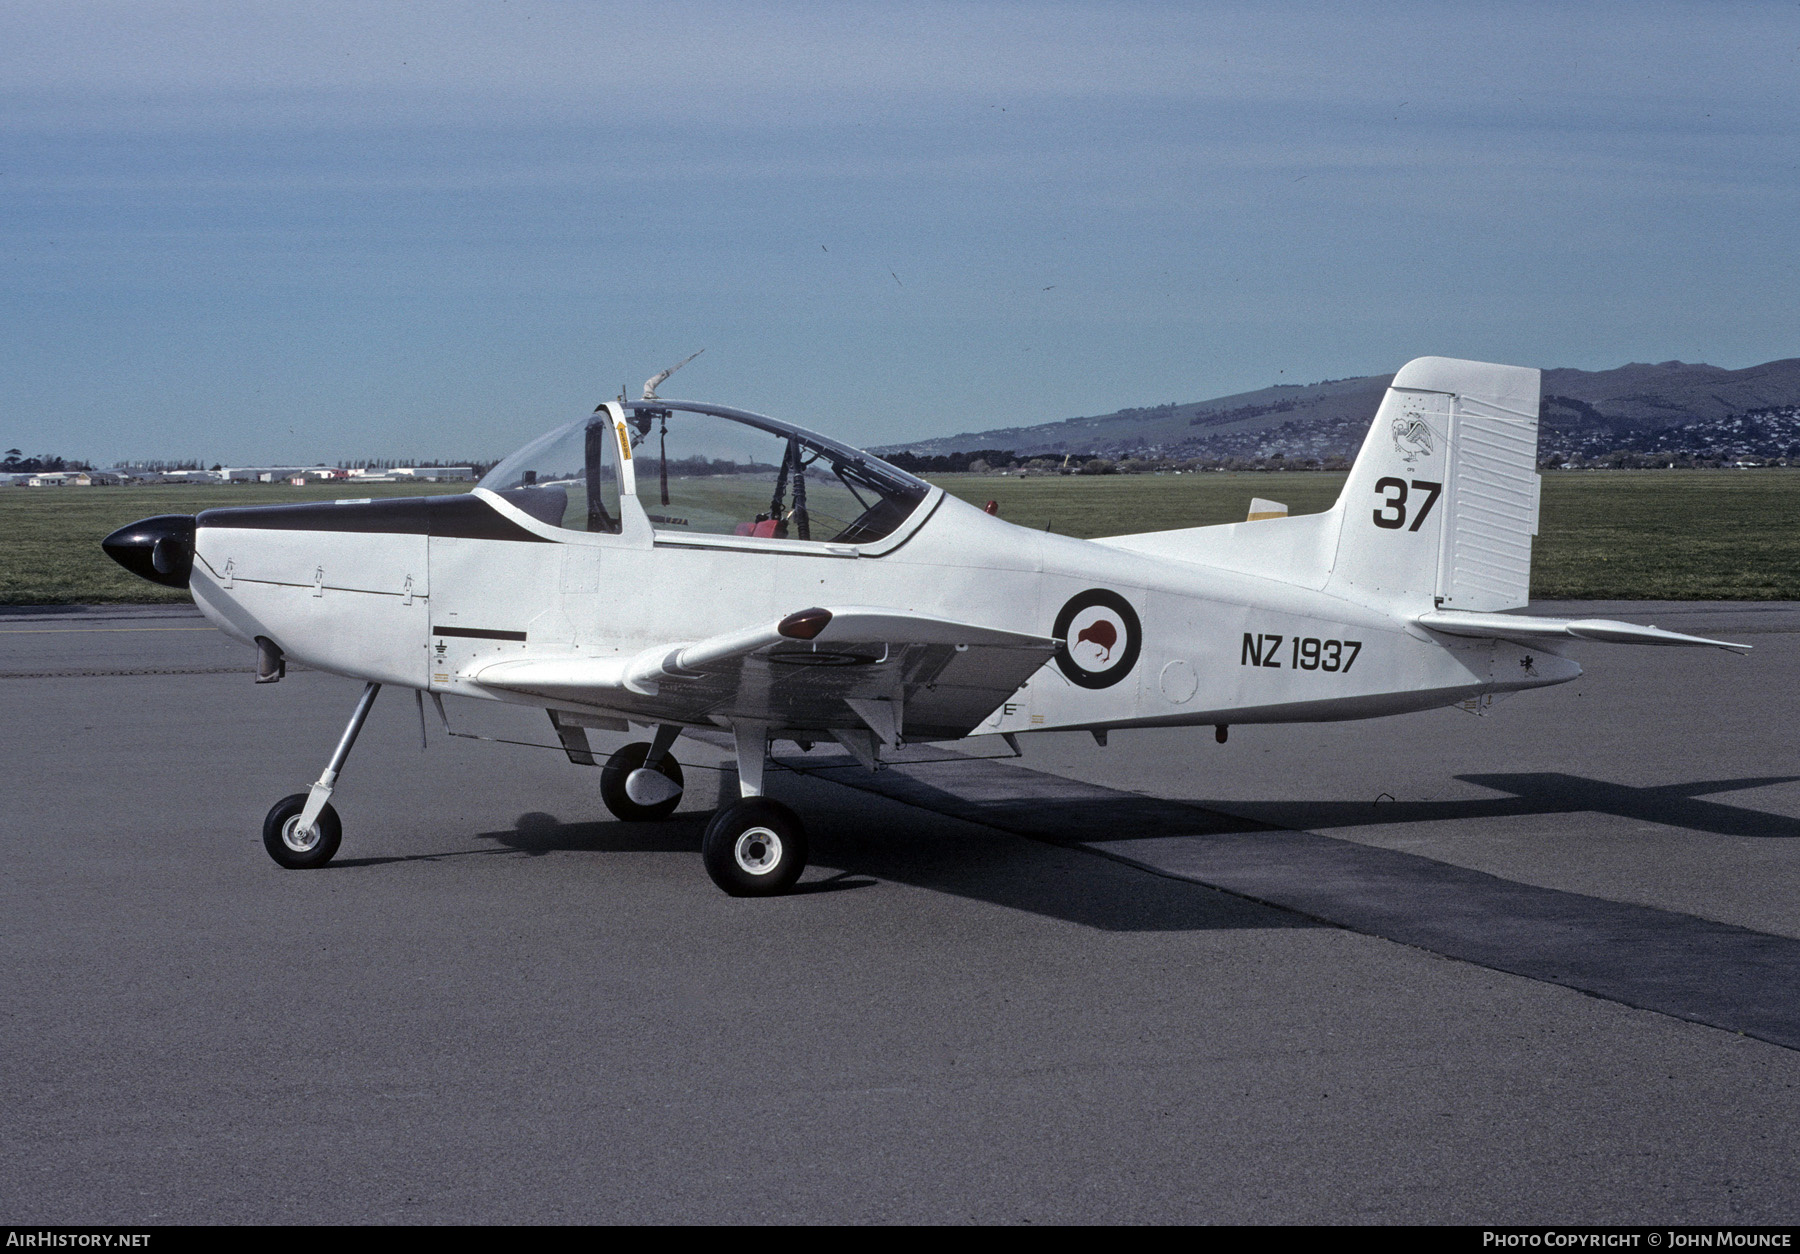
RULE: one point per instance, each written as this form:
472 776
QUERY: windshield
706 470
566 478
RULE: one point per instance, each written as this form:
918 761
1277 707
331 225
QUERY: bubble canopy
706 469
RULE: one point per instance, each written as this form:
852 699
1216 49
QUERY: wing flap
812 669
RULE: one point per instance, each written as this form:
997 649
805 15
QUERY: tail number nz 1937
1304 654
1392 513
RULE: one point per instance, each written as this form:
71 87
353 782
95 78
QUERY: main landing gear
753 847
642 782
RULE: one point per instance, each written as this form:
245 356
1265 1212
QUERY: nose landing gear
302 831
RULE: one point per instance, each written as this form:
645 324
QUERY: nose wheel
297 847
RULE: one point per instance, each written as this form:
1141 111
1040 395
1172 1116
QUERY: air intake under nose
160 549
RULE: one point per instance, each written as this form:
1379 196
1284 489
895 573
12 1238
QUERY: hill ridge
1583 411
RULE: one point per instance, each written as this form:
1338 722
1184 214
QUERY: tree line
16 463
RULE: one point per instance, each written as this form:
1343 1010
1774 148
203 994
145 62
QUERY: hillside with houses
1667 414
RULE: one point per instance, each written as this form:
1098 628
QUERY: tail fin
1438 512
1442 503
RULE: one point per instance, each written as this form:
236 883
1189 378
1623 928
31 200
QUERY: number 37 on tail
681 566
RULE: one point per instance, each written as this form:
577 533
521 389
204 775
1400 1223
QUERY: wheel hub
300 841
758 851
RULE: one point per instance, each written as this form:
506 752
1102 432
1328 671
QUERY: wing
1521 627
891 672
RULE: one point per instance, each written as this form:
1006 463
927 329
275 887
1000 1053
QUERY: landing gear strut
754 847
302 831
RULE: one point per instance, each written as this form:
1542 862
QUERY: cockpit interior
708 470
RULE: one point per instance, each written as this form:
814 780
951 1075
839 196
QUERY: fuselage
425 592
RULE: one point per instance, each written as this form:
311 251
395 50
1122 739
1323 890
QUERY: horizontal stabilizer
1519 627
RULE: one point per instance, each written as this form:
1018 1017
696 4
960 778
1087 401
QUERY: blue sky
315 231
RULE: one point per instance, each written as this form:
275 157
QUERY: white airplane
688 566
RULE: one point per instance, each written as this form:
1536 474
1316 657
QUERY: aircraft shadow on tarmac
854 849
1544 793
535 834
1022 875
989 867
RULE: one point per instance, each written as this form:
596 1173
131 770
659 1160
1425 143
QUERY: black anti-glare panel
463 517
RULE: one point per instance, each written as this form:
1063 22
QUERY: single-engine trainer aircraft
687 566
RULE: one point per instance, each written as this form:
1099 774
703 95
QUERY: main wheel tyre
301 850
618 769
754 848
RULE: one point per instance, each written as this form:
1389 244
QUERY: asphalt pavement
498 1004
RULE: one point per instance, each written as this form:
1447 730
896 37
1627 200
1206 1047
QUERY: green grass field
1695 535
52 535
1678 535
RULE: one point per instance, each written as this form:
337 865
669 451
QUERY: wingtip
1728 646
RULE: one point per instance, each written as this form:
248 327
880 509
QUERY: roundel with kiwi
1098 638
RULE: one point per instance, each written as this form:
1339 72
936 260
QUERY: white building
68 479
415 474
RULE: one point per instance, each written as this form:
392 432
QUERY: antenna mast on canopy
650 385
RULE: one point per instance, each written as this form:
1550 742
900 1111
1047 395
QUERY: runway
1535 966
